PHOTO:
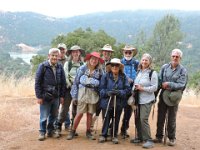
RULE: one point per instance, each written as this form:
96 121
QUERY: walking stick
107 109
135 113
114 116
166 124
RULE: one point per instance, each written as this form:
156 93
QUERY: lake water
25 56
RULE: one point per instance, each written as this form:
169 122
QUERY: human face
106 55
94 61
62 53
115 68
75 55
175 58
145 62
128 55
53 57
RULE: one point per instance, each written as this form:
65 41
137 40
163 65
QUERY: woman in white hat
113 86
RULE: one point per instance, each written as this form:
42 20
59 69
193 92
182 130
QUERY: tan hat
130 48
76 47
172 98
107 47
131 102
62 45
115 61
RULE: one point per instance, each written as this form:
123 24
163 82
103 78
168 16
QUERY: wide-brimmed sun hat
130 48
62 45
115 61
107 47
95 54
74 48
172 98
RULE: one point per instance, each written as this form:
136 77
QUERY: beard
127 58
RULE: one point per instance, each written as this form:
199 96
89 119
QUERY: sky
69 8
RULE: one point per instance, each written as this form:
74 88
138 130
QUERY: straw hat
115 61
74 48
130 48
107 47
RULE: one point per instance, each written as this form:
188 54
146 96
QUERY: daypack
157 91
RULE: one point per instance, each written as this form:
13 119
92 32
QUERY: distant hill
36 29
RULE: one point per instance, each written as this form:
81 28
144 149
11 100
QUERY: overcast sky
68 8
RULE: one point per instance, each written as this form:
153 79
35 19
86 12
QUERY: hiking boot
136 141
71 135
41 137
90 136
102 139
57 133
50 134
172 142
148 144
157 140
115 140
125 134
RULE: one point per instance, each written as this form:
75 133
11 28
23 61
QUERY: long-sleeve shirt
177 78
149 85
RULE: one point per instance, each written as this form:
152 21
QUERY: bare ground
19 124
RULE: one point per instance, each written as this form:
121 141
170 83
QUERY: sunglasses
175 56
129 52
115 65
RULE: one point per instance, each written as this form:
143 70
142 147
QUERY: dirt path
19 123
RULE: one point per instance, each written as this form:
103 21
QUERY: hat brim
109 50
88 56
81 50
172 98
108 66
135 51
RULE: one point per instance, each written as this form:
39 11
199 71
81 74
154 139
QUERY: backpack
157 91
70 65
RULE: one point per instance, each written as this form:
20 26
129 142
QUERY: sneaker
90 136
157 140
172 142
148 144
102 139
71 135
115 140
41 137
136 141
50 134
57 133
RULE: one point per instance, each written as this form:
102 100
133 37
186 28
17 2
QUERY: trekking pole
107 109
166 124
135 115
114 116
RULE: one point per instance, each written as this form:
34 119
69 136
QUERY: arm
103 86
68 83
38 81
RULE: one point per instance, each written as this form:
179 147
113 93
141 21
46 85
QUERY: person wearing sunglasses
130 69
114 90
173 79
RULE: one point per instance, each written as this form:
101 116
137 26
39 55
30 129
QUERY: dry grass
14 88
190 98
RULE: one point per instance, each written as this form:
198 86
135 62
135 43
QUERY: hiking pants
126 118
171 111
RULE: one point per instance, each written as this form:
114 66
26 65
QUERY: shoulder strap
70 65
150 74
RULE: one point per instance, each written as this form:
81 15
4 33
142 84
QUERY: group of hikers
111 87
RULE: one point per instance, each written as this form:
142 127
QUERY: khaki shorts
83 107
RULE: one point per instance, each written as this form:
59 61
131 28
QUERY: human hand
165 85
75 101
130 80
62 100
40 101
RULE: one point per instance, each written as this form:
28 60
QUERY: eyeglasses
115 65
128 52
173 56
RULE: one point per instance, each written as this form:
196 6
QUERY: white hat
62 45
115 61
130 48
107 47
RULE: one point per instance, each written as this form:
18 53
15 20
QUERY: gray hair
177 51
148 57
53 50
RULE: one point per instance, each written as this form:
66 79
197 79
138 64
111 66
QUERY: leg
162 109
125 122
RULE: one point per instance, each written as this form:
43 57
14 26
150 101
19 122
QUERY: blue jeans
67 120
48 115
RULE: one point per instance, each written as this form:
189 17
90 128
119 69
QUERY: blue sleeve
103 86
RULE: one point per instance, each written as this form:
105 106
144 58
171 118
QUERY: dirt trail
19 123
